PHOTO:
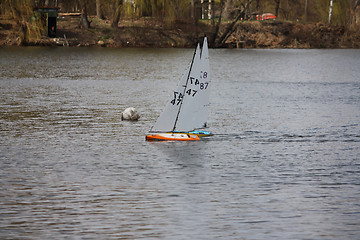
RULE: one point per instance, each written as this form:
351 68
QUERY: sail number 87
202 85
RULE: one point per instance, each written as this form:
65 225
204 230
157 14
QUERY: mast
185 87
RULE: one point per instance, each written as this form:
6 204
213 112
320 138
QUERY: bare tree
22 12
228 7
230 29
99 10
353 17
84 21
195 10
277 6
117 13
217 25
257 5
330 10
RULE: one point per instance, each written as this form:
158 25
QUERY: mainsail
194 109
187 108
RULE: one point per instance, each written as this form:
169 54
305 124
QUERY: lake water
284 163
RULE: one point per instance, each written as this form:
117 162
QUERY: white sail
205 75
187 108
167 118
194 110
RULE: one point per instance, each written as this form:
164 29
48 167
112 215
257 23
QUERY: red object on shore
268 16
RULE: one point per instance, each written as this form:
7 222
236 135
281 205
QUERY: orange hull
172 137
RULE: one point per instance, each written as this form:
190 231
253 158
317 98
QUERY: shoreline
150 33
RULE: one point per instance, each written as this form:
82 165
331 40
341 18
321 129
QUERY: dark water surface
284 163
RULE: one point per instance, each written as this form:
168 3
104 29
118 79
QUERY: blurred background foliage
345 12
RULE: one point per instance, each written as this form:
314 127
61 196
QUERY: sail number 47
178 97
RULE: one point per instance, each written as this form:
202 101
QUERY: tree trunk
306 7
227 9
217 26
197 10
117 13
257 6
210 10
330 10
202 10
230 29
353 17
192 13
277 6
20 14
84 22
99 11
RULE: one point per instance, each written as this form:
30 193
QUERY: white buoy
130 114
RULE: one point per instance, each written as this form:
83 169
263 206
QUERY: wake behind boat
186 112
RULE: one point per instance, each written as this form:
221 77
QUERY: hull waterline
172 137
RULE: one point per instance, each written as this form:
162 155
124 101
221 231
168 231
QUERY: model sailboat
187 109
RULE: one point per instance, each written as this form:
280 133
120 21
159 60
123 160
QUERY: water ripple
283 163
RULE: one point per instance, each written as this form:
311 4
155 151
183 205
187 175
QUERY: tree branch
229 30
